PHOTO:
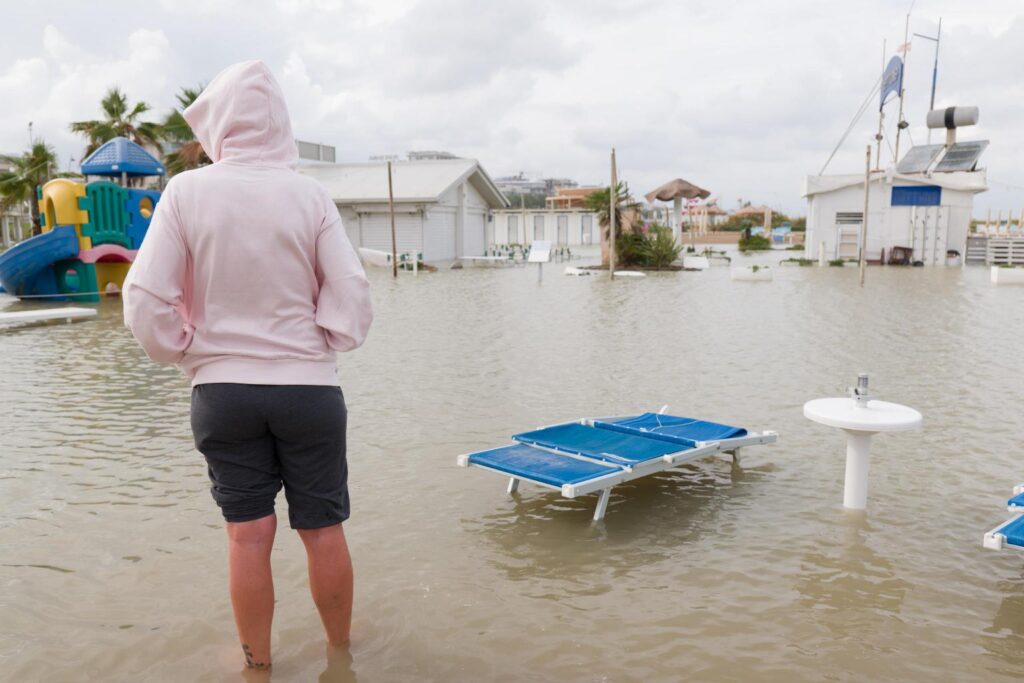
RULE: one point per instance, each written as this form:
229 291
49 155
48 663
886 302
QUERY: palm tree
120 120
30 170
188 153
599 201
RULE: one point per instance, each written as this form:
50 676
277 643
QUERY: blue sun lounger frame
1009 534
594 455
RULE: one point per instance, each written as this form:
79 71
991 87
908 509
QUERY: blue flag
892 80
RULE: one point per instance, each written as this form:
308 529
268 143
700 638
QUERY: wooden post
611 217
864 221
394 242
881 118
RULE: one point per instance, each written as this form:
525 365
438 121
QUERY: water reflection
845 574
542 535
1005 638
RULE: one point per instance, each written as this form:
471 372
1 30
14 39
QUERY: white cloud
744 98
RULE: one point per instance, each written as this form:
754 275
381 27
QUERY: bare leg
252 587
330 579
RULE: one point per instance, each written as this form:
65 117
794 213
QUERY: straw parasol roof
676 189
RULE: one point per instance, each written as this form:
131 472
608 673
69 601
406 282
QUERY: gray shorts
257 437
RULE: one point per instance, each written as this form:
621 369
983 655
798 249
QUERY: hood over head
241 117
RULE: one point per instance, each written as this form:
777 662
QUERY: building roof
412 181
964 181
121 155
751 211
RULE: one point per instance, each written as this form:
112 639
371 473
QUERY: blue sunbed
593 455
1009 534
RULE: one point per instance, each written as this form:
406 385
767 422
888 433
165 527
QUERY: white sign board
540 251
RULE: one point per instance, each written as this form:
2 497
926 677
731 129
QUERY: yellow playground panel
60 205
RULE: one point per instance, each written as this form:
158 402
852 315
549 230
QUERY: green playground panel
108 217
74 276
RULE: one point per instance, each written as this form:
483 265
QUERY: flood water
113 555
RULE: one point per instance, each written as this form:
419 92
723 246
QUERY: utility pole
611 217
864 220
394 243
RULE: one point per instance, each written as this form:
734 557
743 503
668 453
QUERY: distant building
315 151
520 184
562 227
430 155
570 197
442 207
542 187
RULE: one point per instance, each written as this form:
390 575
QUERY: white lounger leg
513 484
602 504
736 456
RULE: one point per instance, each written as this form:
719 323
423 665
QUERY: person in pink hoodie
247 281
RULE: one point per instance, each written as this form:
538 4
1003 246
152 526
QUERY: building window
587 229
513 229
538 227
563 230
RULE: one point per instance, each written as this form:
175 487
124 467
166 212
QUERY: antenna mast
900 123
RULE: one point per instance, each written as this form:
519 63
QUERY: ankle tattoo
250 663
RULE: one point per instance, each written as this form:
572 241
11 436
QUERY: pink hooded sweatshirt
246 274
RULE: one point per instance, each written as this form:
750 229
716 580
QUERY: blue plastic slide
27 268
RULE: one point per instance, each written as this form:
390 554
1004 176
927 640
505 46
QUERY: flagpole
935 69
881 116
900 123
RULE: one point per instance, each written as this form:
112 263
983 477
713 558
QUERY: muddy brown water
112 554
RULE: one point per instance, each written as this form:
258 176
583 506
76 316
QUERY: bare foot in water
339 665
256 669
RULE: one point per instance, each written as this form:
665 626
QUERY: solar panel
962 156
919 158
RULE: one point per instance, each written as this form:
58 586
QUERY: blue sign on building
916 195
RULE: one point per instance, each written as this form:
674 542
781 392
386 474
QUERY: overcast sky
744 98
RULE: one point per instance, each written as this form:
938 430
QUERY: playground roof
121 155
421 181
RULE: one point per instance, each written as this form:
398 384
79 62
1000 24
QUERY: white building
927 213
442 207
924 204
563 227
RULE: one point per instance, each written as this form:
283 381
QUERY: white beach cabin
442 207
923 204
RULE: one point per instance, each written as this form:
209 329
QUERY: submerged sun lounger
592 455
1009 534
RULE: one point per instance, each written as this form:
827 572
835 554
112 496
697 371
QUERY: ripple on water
721 571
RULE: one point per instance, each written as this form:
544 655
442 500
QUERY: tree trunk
37 228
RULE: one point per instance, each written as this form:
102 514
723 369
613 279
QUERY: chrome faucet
859 393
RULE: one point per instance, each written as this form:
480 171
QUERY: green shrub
755 243
837 263
655 248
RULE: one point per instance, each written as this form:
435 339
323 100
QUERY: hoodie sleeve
156 308
343 306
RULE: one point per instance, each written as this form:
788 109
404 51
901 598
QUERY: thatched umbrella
676 191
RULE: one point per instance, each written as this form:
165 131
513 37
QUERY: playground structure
91 231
